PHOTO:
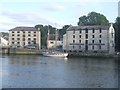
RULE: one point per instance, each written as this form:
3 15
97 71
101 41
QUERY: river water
34 71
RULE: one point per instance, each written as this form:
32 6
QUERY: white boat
55 54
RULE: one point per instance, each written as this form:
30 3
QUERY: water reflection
22 59
48 72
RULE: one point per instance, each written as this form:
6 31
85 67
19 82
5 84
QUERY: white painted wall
3 42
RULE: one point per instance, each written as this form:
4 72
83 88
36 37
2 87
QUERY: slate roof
96 27
24 29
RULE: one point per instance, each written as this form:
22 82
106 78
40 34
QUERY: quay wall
91 54
20 51
24 51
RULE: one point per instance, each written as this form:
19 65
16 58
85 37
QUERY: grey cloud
25 19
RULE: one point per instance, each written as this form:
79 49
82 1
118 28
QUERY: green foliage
5 33
93 18
44 31
63 30
117 33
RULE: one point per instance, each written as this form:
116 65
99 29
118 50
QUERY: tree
93 18
63 30
117 34
44 31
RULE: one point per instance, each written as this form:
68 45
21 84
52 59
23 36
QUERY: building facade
3 42
25 37
53 40
52 44
89 39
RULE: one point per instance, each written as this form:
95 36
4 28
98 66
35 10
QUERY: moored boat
55 54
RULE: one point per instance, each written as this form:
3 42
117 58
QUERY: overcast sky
52 12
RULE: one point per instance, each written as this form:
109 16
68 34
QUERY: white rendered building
21 37
89 39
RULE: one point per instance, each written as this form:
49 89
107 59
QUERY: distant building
3 41
53 41
89 39
25 37
119 9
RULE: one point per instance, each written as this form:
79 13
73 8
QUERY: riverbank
71 54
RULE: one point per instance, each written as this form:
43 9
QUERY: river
34 71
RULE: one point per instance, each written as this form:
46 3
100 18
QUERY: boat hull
56 54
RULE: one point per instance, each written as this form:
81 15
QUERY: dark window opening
93 30
79 41
86 30
73 36
73 41
100 30
79 36
80 31
92 47
86 36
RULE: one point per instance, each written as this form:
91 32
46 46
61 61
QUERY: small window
23 39
34 35
93 30
13 35
34 32
80 31
112 35
99 41
79 46
18 38
86 42
86 30
18 31
29 32
79 41
29 43
34 39
13 32
92 41
100 36
18 35
73 36
92 47
100 30
29 35
23 43
23 35
73 41
18 42
12 38
93 36
34 42
86 36
79 36
73 46
18 46
12 42
29 38
23 31
51 42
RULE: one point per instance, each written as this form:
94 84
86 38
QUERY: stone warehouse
25 37
91 39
